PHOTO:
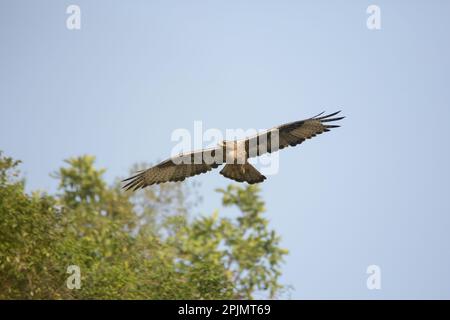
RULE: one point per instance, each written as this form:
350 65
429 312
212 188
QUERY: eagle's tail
242 172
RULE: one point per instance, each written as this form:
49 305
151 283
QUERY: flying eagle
234 154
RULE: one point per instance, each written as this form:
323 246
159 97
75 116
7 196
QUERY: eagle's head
229 143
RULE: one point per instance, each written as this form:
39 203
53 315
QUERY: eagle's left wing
290 134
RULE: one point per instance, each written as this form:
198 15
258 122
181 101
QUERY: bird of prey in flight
234 154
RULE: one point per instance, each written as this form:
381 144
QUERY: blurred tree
248 251
130 246
29 234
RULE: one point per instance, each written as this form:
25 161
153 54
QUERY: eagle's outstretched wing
290 134
174 169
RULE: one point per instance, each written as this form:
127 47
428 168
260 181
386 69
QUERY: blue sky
375 191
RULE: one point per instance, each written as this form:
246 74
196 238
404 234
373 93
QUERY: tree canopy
146 245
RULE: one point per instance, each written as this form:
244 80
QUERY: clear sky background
375 191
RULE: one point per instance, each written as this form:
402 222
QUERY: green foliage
130 246
29 231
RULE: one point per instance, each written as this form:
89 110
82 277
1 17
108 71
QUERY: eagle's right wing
175 169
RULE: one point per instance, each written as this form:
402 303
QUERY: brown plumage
197 162
242 172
